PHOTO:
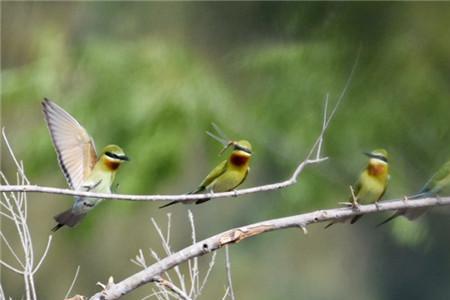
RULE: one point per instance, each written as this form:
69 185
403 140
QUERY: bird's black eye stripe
380 158
115 156
239 147
112 155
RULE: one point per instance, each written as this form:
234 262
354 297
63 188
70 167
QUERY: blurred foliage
151 77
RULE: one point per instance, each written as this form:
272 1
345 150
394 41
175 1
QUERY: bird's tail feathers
198 190
200 201
414 213
329 224
67 218
394 215
343 220
419 195
168 204
355 219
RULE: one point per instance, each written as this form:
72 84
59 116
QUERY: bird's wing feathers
384 191
243 178
74 147
216 172
440 175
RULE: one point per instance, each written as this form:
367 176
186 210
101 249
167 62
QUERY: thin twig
11 152
210 267
193 265
172 287
11 268
166 248
73 282
11 249
228 269
226 293
15 204
49 242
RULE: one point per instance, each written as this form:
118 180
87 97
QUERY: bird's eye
242 148
115 156
110 154
380 157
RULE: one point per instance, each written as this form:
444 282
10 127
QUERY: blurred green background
151 77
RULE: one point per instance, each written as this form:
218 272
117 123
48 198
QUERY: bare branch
185 197
49 242
228 268
28 188
193 265
11 249
11 268
172 287
226 293
210 267
166 248
236 235
15 205
73 282
19 166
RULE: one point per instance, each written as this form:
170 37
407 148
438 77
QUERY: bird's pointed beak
125 158
368 154
230 143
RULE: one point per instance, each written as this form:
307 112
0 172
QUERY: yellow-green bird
372 183
438 184
228 175
78 160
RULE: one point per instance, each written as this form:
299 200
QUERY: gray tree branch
236 235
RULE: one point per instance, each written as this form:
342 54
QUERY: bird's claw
93 186
352 204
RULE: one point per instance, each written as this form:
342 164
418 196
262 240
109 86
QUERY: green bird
372 182
229 174
78 160
438 184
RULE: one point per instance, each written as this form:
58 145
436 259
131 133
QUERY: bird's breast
377 169
111 165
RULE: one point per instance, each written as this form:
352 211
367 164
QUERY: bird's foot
88 188
355 204
405 199
377 204
354 200
235 193
352 204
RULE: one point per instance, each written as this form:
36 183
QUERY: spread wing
74 147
